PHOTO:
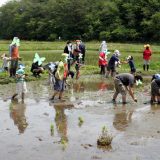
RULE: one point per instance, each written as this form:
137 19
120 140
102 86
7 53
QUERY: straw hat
146 45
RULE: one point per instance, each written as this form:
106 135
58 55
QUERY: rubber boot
147 67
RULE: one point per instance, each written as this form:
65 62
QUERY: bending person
124 82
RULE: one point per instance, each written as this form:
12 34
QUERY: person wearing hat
124 82
111 68
146 57
130 61
21 88
103 46
14 54
59 81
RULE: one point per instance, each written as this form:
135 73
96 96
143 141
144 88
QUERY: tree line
111 20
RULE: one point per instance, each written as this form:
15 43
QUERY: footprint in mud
39 138
86 146
46 114
96 157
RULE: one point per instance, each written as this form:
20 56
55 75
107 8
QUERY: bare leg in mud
113 73
55 93
60 95
23 96
115 96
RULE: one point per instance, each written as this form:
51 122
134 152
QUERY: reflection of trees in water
17 113
122 119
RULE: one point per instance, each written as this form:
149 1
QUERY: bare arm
131 92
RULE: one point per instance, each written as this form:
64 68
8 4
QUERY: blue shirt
112 61
131 64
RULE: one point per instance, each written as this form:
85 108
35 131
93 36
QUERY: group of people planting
125 81
74 55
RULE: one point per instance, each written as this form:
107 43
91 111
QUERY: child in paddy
21 88
59 81
130 61
102 62
6 60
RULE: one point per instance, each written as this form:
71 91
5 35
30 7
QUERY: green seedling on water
52 129
64 143
81 121
104 139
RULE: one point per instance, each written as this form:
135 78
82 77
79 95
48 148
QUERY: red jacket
102 61
147 54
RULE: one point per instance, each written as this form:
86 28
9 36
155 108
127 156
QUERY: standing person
68 50
14 53
6 60
146 57
59 81
130 61
102 62
111 68
82 47
124 82
155 89
21 88
76 49
103 46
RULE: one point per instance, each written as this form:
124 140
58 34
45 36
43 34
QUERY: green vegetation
105 138
81 121
52 129
53 50
113 20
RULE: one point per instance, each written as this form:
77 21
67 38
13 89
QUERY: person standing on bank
146 57
124 82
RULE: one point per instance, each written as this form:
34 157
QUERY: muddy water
25 127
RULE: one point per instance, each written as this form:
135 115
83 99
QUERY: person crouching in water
155 89
124 82
59 81
130 61
36 69
21 88
111 68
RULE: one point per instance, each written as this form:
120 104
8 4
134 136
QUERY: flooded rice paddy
25 132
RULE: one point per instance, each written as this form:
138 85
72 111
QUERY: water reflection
155 107
36 90
61 120
17 113
122 118
79 87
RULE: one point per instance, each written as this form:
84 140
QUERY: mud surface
25 127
